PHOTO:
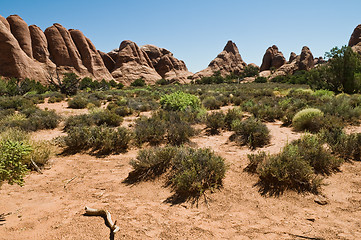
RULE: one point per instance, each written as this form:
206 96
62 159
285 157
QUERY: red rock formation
14 62
108 61
355 39
21 32
306 59
39 44
90 57
272 58
293 56
133 63
228 61
5 22
166 65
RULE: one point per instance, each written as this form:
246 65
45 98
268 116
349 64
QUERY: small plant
308 119
151 163
196 170
251 132
138 83
78 102
12 154
211 103
260 80
255 160
149 130
179 133
215 121
232 115
180 101
100 116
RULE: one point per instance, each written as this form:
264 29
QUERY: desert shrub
100 116
18 120
138 83
78 102
12 154
163 82
40 154
142 104
149 130
78 121
251 132
16 103
232 115
196 170
308 119
287 170
211 103
260 80
68 85
122 111
311 149
100 140
179 101
41 119
255 160
152 162
250 71
215 121
179 132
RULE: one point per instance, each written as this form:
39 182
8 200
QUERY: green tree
344 67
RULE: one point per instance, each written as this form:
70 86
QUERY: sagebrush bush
308 119
255 160
211 103
138 83
179 132
152 162
149 130
232 115
215 121
100 140
251 132
104 116
196 170
78 102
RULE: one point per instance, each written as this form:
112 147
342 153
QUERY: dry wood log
106 215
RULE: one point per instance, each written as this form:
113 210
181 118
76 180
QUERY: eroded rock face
90 57
228 61
306 59
355 40
5 22
14 62
39 44
108 61
132 63
166 65
21 32
272 58
292 57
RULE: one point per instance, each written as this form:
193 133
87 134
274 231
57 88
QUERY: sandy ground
50 205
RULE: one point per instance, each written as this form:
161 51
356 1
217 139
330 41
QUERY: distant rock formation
355 39
273 58
166 65
132 63
292 57
229 60
304 61
21 32
108 61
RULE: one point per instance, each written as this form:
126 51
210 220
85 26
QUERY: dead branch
104 214
66 184
35 166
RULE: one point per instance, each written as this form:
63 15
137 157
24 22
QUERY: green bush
255 160
151 163
260 80
232 115
179 132
122 111
149 130
215 121
100 116
308 119
179 101
196 170
251 132
100 140
138 83
12 154
78 102
211 103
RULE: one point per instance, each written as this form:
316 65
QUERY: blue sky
197 30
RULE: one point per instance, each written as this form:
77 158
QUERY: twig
35 166
107 218
66 184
